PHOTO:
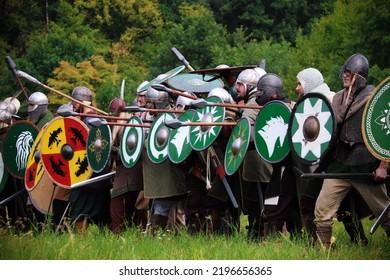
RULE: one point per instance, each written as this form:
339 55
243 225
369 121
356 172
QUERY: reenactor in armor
225 218
282 182
352 155
255 172
128 182
164 183
91 203
38 112
350 211
15 210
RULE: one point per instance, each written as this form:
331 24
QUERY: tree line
97 43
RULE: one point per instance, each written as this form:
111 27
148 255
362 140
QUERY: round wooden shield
3 170
195 83
312 128
132 142
98 147
237 145
34 167
17 146
270 131
42 195
64 151
179 147
201 137
376 122
162 78
158 138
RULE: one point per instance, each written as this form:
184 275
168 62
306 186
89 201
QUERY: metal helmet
267 86
248 77
260 71
14 105
67 107
358 64
159 98
221 66
139 92
36 99
82 93
221 93
5 116
184 101
116 106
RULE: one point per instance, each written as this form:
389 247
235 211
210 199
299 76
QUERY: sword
219 168
93 180
324 175
380 219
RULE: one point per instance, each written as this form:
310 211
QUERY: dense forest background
98 43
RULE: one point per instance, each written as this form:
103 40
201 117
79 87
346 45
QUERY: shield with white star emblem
237 145
132 142
98 147
376 122
312 128
158 138
201 137
270 131
179 147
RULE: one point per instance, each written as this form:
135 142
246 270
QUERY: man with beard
255 172
352 156
38 112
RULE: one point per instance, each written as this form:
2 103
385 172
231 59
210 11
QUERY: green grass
101 244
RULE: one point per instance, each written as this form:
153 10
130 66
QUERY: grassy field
101 244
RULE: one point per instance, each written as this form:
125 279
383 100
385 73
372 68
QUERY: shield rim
149 141
34 202
171 134
171 83
218 128
38 138
236 69
242 121
107 153
257 137
140 144
332 140
169 74
6 135
365 123
54 180
4 179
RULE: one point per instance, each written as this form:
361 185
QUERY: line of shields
66 152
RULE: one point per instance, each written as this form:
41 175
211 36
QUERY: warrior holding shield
352 154
255 172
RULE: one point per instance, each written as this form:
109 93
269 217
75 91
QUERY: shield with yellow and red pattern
34 167
64 151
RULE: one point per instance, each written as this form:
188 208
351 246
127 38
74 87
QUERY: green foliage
92 74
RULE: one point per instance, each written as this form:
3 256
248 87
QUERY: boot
324 235
159 222
81 226
355 231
